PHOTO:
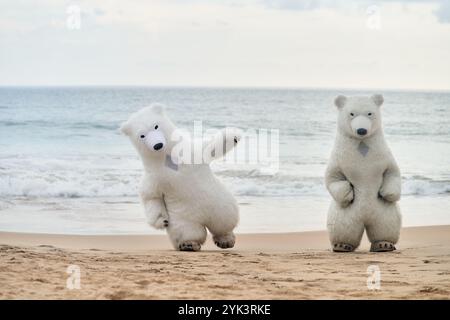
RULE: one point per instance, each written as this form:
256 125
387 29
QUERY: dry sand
262 266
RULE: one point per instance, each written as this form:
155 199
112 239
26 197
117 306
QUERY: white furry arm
225 140
391 187
338 186
154 206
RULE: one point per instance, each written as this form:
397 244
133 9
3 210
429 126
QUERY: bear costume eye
142 136
156 127
352 114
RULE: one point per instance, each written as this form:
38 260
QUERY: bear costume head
359 117
150 131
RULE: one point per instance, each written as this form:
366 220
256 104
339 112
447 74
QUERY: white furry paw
225 241
346 195
234 135
389 195
343 247
382 246
157 216
189 246
231 137
160 223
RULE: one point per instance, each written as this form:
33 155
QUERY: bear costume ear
378 99
125 128
157 108
340 101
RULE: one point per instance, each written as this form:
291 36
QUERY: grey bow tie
363 148
170 164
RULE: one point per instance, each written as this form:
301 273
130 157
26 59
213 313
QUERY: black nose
361 131
158 146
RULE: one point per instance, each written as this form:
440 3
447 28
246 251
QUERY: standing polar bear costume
184 198
363 179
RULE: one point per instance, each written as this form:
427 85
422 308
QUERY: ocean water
65 168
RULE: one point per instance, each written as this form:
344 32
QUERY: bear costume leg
225 241
345 229
186 235
222 229
383 228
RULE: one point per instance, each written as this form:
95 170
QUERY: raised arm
338 186
221 143
154 206
392 183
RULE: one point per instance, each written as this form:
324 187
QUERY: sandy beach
262 266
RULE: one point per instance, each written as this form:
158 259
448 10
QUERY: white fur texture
189 197
365 188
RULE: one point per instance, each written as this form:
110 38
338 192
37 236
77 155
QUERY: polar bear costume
184 198
363 179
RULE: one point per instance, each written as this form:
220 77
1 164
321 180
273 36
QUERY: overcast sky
337 44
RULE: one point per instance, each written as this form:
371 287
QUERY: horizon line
437 90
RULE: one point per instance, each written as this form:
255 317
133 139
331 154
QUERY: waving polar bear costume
184 198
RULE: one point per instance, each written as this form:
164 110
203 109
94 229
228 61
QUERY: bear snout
158 146
361 131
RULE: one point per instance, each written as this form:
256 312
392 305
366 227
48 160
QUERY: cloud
295 5
442 12
99 12
239 43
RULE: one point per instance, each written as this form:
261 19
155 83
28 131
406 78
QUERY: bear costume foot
343 247
189 246
226 241
382 246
